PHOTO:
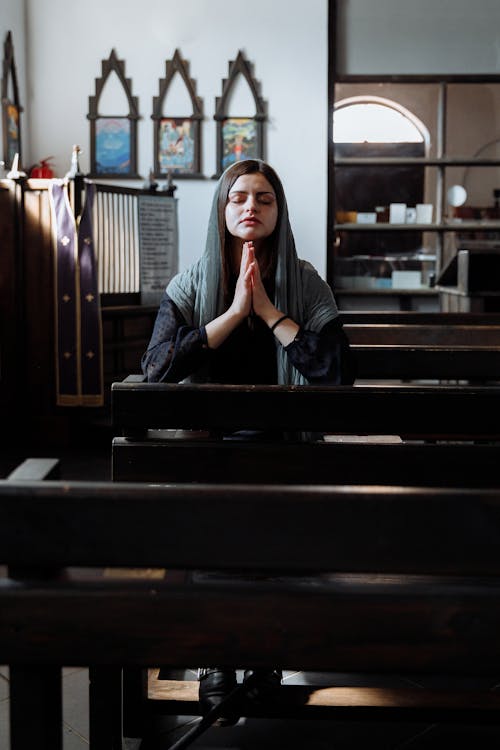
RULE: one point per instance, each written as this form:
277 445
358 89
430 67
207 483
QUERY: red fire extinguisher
44 169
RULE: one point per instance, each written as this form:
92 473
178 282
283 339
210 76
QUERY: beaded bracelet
280 320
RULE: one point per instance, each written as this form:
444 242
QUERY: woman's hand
262 305
242 301
219 329
287 330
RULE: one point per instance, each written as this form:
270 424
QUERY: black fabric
248 355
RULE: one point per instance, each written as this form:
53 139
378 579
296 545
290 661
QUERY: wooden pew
413 351
382 580
407 334
156 459
428 418
160 456
419 317
412 412
425 346
432 347
475 364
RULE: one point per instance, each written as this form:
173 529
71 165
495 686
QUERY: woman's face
251 211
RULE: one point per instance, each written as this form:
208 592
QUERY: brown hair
268 255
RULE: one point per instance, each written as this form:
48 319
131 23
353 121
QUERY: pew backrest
428 350
334 460
458 412
413 334
395 561
235 527
420 317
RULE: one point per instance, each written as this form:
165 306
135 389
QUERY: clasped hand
250 294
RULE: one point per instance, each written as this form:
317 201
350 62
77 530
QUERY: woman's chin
251 234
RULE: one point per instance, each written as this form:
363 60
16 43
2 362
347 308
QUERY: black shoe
215 685
261 684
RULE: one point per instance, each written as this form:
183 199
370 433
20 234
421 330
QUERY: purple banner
79 380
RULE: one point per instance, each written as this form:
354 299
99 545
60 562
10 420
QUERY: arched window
367 127
376 120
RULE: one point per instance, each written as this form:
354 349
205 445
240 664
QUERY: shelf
453 290
432 166
418 257
463 226
408 78
395 161
418 291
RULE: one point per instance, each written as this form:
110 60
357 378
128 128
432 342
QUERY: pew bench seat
337 702
370 580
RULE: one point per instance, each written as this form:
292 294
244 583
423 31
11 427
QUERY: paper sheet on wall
158 242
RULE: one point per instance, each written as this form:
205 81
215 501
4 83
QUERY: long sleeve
175 350
323 357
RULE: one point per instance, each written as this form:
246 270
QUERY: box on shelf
367 218
346 217
406 279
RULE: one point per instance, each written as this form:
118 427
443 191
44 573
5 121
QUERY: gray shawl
299 290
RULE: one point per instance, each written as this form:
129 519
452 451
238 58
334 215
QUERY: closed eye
266 198
241 197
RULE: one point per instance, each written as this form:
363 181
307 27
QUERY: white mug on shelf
424 213
397 213
411 215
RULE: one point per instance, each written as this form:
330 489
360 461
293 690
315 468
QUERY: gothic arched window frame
194 120
113 64
240 66
11 107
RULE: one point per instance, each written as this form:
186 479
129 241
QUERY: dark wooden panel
471 336
11 301
105 707
404 317
126 334
419 362
39 300
409 411
35 707
440 465
411 530
393 625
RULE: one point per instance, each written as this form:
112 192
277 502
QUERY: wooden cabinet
27 328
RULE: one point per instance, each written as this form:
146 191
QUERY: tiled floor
75 703
248 734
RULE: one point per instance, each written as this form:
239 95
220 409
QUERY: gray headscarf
299 290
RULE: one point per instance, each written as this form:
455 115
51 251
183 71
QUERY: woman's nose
252 203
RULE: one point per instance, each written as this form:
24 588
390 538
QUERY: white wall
419 36
286 41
